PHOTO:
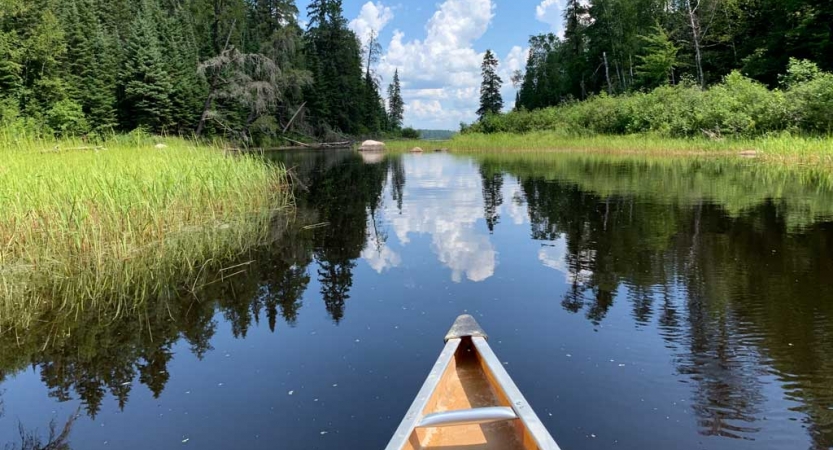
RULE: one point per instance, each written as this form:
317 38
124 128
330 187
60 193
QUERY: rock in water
368 146
416 150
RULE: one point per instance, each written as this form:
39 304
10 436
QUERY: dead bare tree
696 35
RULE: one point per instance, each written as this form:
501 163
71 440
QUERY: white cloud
515 60
373 17
551 12
444 61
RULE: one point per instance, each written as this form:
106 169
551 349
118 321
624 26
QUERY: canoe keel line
469 402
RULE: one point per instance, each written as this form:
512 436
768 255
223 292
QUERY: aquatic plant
123 220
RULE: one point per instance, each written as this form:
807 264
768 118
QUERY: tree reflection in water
739 288
741 292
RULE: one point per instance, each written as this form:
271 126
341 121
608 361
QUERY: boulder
416 150
369 146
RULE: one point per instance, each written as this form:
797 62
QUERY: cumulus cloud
551 12
515 60
373 17
445 61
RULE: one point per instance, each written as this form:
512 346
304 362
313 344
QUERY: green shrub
410 133
66 118
810 98
736 107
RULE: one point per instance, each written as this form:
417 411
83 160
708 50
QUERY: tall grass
782 148
82 225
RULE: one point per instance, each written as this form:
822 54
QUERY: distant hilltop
436 134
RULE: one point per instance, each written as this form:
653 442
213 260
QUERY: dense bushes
738 106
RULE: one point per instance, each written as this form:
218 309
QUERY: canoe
469 402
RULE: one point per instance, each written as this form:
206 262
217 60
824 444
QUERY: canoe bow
469 402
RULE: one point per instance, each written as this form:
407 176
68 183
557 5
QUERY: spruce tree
491 101
335 57
146 82
396 106
657 65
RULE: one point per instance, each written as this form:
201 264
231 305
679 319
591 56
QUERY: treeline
243 69
681 68
618 46
737 106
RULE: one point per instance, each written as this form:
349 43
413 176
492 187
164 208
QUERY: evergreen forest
240 69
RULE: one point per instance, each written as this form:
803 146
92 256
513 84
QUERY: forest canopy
242 69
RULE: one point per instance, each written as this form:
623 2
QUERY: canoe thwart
465 326
472 416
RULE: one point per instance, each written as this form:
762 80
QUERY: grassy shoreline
121 222
783 149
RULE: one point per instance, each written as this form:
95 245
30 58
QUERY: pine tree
491 101
396 106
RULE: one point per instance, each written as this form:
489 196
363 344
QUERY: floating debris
185 441
291 392
324 432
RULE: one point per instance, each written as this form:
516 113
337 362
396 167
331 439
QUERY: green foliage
135 65
657 65
67 118
396 106
491 101
123 224
147 83
343 95
736 107
410 133
621 46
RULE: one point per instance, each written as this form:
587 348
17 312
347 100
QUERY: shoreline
781 149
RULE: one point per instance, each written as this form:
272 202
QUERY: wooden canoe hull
469 402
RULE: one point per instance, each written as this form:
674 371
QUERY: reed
122 221
780 148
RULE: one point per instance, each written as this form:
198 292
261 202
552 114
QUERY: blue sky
438 47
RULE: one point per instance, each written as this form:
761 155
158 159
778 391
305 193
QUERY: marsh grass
780 148
122 221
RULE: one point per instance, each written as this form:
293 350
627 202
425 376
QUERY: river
637 303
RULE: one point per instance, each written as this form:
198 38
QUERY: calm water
636 304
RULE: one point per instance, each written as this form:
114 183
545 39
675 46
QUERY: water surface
636 303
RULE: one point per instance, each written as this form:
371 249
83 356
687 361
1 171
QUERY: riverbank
783 149
121 221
